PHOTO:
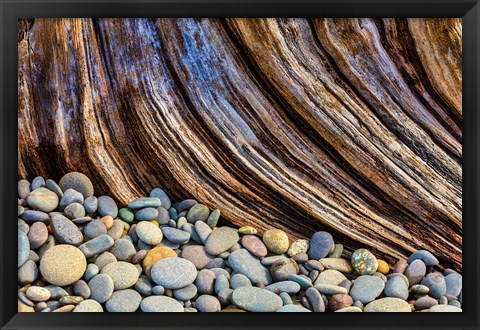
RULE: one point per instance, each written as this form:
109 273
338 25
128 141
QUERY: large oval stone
388 305
255 299
63 265
160 304
64 230
244 263
43 199
221 239
173 273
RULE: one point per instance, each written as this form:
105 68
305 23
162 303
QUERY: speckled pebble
298 246
63 265
101 288
255 299
160 304
173 273
124 301
364 262
276 241
388 305
37 293
123 274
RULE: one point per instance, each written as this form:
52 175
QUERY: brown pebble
400 266
339 301
107 221
64 309
138 257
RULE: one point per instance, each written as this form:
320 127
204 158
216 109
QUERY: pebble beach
78 252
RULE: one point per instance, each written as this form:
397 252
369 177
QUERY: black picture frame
469 10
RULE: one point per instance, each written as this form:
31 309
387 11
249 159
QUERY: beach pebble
205 281
366 288
101 288
293 309
425 303
364 262
107 206
454 284
96 246
94 229
321 244
186 293
23 248
276 241
42 199
280 269
212 219
63 265
143 286
90 204
388 305
221 239
149 233
342 265
155 255
37 235
445 308
77 181
289 287
330 276
339 301
427 258
255 299
162 196
123 274
123 250
23 188
88 306
28 273
81 288
415 271
245 263
197 212
146 214
64 230
207 303
70 196
124 301
298 246
397 288
185 205
202 229
143 202
315 300
37 293
34 215
255 245
436 283
175 235
247 230
173 273
159 304
329 289
198 255
304 281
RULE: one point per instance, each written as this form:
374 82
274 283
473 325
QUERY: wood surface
353 126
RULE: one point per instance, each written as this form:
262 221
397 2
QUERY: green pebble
90 272
142 202
420 289
337 251
213 218
247 230
126 215
198 212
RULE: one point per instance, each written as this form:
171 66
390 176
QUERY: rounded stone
298 246
321 244
101 288
293 309
144 286
90 204
303 280
280 269
155 255
123 274
427 258
289 287
420 289
314 300
162 196
255 245
97 245
160 304
70 196
37 235
124 301
400 266
74 210
239 280
220 240
276 241
123 250
207 304
255 299
175 235
43 199
247 230
245 263
33 215
366 288
64 230
146 214
339 301
425 303
107 206
37 183
445 308
330 276
396 288
329 289
88 306
198 212
198 255
186 293
342 265
454 284
63 265
23 188
415 271
436 283
149 233
28 273
388 305
81 288
202 229
126 214
205 281
173 273
94 229
77 181
364 262
212 219
337 251
163 216
185 205
23 248
37 293
382 267
142 202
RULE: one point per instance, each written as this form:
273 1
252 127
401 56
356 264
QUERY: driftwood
351 126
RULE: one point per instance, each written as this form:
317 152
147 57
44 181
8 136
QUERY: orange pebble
155 222
49 229
107 221
382 267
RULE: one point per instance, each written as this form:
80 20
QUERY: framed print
254 165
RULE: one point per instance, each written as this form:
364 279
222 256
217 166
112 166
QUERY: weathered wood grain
347 125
